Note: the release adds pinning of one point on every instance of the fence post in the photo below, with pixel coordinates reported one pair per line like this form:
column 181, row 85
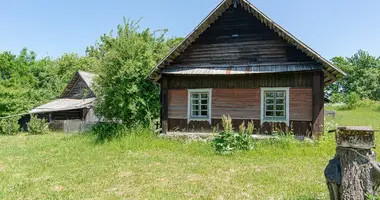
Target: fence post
column 354, row 172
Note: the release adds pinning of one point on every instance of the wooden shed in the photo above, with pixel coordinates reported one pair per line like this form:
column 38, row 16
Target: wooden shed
column 73, row 111
column 239, row 62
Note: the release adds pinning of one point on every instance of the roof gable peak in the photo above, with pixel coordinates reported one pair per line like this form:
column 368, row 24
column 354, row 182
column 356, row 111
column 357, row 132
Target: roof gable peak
column 332, row 73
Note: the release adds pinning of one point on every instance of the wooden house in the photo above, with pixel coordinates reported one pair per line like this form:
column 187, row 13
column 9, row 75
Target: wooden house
column 73, row 111
column 239, row 62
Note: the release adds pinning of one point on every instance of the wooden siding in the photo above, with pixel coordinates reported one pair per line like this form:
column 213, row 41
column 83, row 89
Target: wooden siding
column 80, row 90
column 237, row 103
column 241, row 105
column 177, row 101
column 237, row 37
column 295, row 79
column 66, row 115
column 300, row 105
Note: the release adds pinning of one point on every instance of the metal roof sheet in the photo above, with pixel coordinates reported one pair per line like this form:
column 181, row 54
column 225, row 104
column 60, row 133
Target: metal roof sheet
column 88, row 78
column 237, row 70
column 63, row 104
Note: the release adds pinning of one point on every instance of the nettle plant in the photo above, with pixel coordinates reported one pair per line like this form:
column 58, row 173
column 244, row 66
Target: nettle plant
column 228, row 141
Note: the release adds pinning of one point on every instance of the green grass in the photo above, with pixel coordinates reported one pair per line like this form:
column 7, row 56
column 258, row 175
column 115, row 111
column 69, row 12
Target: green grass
column 59, row 166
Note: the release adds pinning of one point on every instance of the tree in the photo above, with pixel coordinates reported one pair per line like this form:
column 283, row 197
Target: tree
column 363, row 76
column 124, row 93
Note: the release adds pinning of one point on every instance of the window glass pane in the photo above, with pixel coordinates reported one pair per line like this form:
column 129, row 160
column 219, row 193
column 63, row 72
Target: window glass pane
column 195, row 95
column 270, row 101
column 280, row 114
column 269, row 113
column 204, row 113
column 204, row 95
column 270, row 107
column 204, row 101
column 195, row 101
column 280, row 107
column 269, row 94
column 280, row 94
column 204, row 107
column 195, row 107
column 280, row 101
column 195, row 113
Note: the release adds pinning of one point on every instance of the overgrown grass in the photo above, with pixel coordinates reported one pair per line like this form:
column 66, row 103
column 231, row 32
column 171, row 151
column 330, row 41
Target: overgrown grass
column 142, row 166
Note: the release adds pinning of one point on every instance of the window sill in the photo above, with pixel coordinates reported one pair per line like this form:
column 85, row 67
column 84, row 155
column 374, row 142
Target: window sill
column 275, row 120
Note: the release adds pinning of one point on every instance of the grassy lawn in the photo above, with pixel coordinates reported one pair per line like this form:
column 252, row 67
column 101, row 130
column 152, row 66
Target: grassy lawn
column 59, row 166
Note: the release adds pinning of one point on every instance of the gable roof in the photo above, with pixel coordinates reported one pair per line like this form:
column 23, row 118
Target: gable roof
column 331, row 72
column 87, row 77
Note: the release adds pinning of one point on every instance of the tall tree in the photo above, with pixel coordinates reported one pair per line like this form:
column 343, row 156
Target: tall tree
column 123, row 91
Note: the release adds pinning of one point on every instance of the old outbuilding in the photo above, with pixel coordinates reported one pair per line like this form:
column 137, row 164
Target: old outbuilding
column 239, row 62
column 73, row 111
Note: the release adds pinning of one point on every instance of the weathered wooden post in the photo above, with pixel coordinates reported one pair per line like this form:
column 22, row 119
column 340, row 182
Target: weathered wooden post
column 353, row 173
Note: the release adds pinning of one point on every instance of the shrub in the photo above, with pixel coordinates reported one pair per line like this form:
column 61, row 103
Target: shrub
column 352, row 100
column 9, row 126
column 108, row 131
column 37, row 126
column 229, row 141
column 337, row 98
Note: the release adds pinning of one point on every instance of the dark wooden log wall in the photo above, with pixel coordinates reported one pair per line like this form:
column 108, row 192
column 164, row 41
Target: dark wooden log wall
column 295, row 79
column 238, row 37
column 180, row 125
column 66, row 115
column 318, row 103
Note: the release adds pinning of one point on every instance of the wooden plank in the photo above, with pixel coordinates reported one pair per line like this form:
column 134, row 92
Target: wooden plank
column 318, row 103
column 164, row 104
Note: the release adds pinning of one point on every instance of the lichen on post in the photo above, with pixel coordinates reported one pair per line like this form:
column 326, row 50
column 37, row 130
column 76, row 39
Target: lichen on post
column 354, row 172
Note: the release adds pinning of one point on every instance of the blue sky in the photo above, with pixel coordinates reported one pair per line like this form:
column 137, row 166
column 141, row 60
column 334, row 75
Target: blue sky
column 331, row 27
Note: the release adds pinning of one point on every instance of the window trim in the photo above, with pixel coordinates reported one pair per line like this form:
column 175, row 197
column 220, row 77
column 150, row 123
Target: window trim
column 189, row 91
column 262, row 109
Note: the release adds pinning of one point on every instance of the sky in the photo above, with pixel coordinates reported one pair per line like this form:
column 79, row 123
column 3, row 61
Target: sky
column 54, row 27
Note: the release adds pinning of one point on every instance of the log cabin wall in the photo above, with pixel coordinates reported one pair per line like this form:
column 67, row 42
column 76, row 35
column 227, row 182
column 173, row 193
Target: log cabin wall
column 234, row 96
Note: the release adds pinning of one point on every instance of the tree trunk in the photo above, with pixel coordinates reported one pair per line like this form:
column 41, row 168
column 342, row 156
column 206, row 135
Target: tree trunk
column 356, row 180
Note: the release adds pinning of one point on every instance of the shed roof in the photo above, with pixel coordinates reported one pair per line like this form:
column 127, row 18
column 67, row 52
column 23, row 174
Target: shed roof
column 331, row 72
column 63, row 104
column 238, row 69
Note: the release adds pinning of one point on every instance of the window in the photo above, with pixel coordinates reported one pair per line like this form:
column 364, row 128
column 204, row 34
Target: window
column 275, row 105
column 199, row 105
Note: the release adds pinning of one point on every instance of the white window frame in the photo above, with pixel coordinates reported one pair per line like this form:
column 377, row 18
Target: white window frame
column 189, row 118
column 262, row 114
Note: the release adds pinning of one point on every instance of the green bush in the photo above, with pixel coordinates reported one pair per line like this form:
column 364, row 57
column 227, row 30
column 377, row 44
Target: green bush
column 352, row 100
column 108, row 131
column 337, row 98
column 228, row 141
column 37, row 126
column 9, row 126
